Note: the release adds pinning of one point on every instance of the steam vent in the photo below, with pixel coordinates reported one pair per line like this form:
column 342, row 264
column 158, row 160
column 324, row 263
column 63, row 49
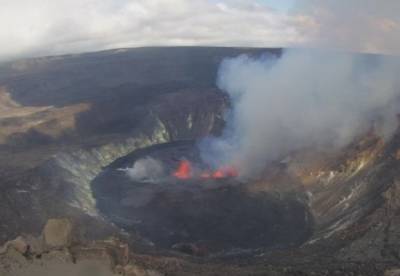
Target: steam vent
column 200, row 161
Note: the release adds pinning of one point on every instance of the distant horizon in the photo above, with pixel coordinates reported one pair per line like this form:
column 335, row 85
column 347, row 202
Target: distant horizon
column 63, row 27
column 189, row 46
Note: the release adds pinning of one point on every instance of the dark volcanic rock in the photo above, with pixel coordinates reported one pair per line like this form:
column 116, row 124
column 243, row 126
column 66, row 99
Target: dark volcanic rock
column 214, row 215
column 77, row 78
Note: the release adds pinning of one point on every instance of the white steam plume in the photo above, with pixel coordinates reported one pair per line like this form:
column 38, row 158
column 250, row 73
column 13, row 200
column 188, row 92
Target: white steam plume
column 302, row 99
column 146, row 170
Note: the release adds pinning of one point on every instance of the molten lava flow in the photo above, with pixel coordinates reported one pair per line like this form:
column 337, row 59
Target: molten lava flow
column 184, row 170
column 224, row 172
column 218, row 174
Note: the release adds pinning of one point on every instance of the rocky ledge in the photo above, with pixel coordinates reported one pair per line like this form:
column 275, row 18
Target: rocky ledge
column 55, row 251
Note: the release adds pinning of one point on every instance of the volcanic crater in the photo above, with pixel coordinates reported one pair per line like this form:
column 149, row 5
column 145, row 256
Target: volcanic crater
column 89, row 119
column 193, row 213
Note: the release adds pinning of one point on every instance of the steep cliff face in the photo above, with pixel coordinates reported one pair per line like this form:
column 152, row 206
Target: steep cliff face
column 375, row 235
column 352, row 196
column 344, row 189
column 190, row 119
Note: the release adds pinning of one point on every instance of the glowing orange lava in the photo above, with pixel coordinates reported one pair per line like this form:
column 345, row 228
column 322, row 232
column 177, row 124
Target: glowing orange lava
column 218, row 174
column 185, row 171
column 224, row 172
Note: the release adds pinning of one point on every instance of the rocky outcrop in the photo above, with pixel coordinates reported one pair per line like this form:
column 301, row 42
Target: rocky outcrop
column 57, row 233
column 19, row 244
column 57, row 255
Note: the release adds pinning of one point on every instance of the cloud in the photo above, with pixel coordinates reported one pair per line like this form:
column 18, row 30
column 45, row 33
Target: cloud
column 357, row 25
column 47, row 27
column 303, row 99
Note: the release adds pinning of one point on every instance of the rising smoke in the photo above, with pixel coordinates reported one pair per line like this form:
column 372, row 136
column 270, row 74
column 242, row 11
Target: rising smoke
column 302, row 99
column 146, row 170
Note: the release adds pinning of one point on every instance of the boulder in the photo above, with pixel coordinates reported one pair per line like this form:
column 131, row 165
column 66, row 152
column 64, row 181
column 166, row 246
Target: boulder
column 19, row 245
column 36, row 246
column 57, row 233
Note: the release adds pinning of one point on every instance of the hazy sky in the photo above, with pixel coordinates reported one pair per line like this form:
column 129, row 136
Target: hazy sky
column 47, row 27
